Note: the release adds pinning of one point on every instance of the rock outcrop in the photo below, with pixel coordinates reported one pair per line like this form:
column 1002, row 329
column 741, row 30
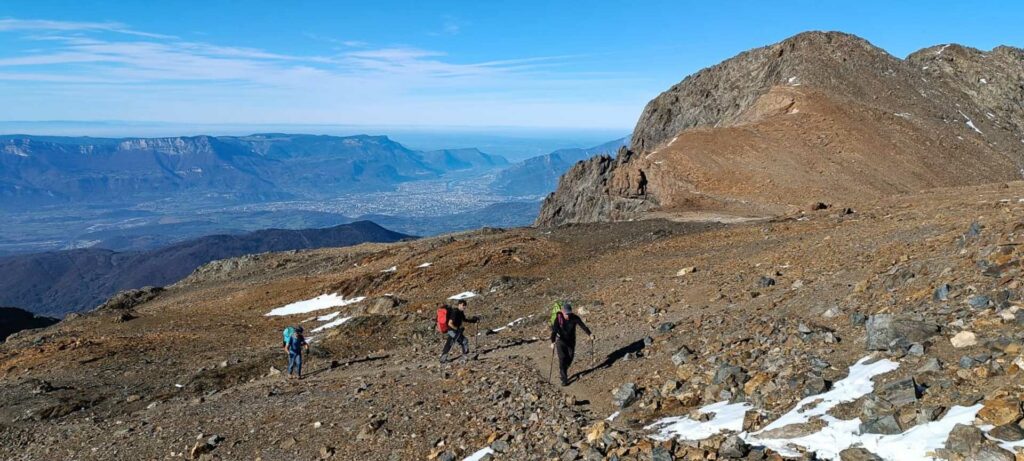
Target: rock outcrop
column 821, row 116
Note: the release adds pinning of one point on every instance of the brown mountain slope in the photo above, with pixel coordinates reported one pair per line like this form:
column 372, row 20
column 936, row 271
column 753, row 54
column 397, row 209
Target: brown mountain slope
column 784, row 301
column 820, row 116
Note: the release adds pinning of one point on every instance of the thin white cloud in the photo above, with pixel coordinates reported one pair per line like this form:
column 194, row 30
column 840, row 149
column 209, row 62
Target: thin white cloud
column 108, row 70
column 11, row 24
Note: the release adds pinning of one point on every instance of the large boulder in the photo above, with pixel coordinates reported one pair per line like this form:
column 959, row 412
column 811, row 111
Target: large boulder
column 891, row 332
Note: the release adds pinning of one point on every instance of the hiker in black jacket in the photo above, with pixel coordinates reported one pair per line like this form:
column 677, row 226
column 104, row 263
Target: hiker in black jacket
column 563, row 338
column 456, row 331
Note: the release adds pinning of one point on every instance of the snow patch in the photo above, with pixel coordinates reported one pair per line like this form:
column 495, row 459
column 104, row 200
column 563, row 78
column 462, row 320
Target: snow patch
column 856, row 385
column 324, row 318
column 421, row 266
column 479, row 454
column 390, row 269
column 512, row 323
column 331, row 324
column 903, row 114
column 325, row 301
column 983, row 81
column 941, row 49
column 969, row 122
column 728, row 417
column 612, row 417
column 915, row 444
column 463, row 295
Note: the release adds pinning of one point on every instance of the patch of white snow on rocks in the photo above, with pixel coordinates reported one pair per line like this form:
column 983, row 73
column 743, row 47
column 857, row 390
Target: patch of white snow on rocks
column 333, row 324
column 464, row 295
column 325, row 301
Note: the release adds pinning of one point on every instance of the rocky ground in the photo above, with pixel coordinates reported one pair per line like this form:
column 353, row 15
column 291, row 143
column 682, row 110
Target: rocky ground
column 685, row 314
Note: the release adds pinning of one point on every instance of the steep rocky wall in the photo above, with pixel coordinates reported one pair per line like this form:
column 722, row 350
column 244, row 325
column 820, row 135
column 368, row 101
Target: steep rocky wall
column 599, row 188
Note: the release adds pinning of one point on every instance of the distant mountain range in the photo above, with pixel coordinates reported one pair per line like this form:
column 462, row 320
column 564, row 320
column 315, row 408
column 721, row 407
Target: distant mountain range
column 58, row 282
column 538, row 176
column 13, row 320
column 48, row 169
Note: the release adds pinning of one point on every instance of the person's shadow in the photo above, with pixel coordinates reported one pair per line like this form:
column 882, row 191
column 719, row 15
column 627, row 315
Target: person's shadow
column 610, row 359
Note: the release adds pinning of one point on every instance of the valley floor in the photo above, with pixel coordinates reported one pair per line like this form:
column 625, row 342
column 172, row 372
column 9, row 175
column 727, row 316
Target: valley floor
column 770, row 312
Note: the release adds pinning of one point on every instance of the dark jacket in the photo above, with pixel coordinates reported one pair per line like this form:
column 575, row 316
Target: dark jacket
column 564, row 328
column 456, row 317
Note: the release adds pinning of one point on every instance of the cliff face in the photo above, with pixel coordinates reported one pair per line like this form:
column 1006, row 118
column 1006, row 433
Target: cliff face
column 819, row 116
column 595, row 189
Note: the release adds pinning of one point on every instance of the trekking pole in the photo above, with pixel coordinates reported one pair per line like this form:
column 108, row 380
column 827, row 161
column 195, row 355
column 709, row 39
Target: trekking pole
column 551, row 365
column 591, row 350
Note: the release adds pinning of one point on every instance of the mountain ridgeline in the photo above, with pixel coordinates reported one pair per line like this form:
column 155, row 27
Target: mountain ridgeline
column 539, row 175
column 821, row 116
column 45, row 169
column 59, row 282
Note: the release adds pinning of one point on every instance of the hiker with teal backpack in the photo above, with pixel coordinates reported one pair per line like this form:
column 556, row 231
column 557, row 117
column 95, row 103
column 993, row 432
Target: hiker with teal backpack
column 563, row 336
column 294, row 343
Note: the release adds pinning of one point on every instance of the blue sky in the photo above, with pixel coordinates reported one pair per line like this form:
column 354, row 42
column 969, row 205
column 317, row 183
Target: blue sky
column 417, row 64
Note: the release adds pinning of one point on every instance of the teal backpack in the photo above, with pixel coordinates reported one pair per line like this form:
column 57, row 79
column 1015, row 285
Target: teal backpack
column 288, row 332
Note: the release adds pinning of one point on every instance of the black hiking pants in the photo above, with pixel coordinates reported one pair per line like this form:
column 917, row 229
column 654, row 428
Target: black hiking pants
column 452, row 337
column 566, row 352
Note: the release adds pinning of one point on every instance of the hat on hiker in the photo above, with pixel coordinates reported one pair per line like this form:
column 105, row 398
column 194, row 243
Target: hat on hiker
column 567, row 306
column 299, row 329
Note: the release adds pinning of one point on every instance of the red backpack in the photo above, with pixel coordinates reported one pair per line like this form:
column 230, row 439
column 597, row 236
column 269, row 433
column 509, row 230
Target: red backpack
column 442, row 319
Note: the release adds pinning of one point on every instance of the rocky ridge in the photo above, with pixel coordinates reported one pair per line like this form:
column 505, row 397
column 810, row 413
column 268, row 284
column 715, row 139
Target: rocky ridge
column 819, row 116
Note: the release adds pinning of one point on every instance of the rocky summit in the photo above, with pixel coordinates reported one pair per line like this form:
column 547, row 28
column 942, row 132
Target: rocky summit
column 811, row 263
column 819, row 117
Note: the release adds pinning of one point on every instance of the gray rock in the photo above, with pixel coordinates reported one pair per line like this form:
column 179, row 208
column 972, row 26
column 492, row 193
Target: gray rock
column 857, row 319
column 1007, row 432
column 499, row 446
column 929, row 413
column 885, row 424
column 889, row 332
column 729, row 375
column 964, row 439
column 989, row 451
column 666, row 327
column 733, row 447
column 930, row 364
column 900, row 393
column 624, row 395
column 979, row 302
column 661, row 454
column 683, row 355
column 814, row 385
column 446, row 456
column 941, row 292
column 973, row 231
column 765, row 282
column 858, row 454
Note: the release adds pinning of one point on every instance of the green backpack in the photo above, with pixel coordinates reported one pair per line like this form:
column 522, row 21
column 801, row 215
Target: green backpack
column 555, row 309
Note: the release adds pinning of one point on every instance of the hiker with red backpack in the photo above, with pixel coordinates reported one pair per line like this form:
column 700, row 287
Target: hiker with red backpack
column 450, row 323
column 563, row 337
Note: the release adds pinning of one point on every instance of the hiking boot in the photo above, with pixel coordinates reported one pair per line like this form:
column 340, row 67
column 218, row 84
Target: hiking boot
column 565, row 383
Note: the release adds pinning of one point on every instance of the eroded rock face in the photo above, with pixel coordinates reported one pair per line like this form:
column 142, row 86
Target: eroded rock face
column 757, row 134
column 597, row 189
